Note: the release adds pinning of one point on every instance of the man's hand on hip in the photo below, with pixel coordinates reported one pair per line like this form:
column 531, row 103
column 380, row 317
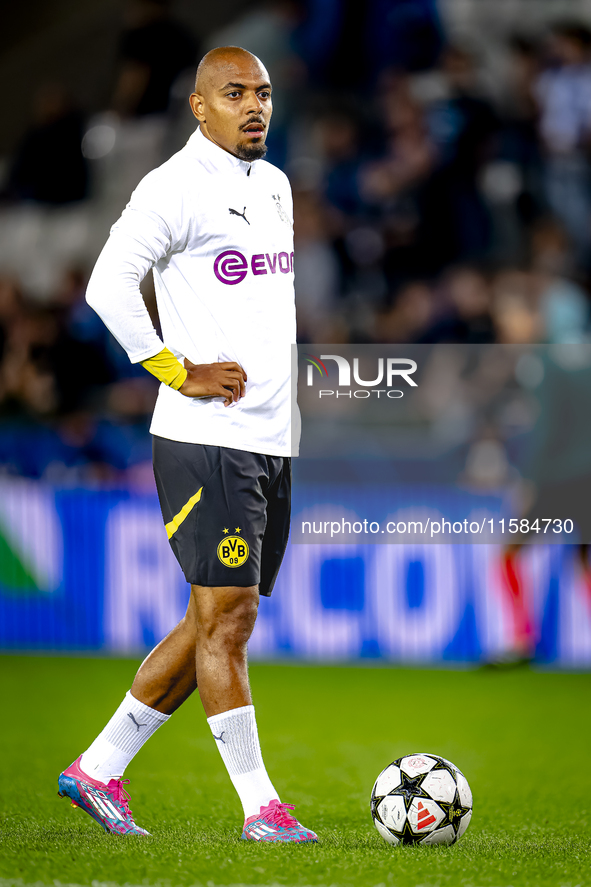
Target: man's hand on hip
column 225, row 380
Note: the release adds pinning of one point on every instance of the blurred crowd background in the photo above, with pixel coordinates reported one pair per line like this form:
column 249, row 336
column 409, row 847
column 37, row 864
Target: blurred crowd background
column 439, row 153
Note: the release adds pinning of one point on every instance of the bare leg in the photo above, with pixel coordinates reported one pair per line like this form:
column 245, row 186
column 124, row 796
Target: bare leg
column 166, row 677
column 209, row 642
column 225, row 620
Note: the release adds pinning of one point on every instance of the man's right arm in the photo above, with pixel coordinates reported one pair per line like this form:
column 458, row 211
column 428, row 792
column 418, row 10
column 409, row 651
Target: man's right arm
column 140, row 238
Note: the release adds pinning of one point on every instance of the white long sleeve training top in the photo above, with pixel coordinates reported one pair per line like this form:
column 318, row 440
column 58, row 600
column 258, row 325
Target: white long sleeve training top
column 218, row 233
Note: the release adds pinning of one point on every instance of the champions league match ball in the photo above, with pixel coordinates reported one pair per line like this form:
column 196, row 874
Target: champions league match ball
column 421, row 799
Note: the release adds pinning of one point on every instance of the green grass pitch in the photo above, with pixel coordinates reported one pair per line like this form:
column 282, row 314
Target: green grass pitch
column 521, row 737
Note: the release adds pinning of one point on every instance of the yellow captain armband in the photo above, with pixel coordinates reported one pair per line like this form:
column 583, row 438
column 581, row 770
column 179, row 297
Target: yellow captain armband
column 166, row 368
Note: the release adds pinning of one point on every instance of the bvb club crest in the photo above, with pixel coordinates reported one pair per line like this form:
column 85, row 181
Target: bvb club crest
column 233, row 551
column 281, row 212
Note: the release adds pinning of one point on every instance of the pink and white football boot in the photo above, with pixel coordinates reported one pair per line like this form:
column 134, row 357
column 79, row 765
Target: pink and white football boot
column 275, row 823
column 107, row 803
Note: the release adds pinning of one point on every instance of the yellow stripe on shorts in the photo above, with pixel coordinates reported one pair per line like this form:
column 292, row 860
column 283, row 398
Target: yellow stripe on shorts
column 172, row 526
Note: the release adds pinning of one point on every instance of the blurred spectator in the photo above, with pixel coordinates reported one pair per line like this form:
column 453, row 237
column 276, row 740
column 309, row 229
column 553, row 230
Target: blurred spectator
column 409, row 317
column 317, row 272
column 409, row 151
column 65, row 416
column 341, row 152
column 564, row 95
column 154, row 50
column 564, row 304
column 564, row 307
column 10, row 307
column 461, row 124
column 550, row 248
column 465, row 306
column 407, row 35
column 48, row 166
column 392, row 186
column 520, row 144
column 515, row 312
column 377, row 34
column 39, row 351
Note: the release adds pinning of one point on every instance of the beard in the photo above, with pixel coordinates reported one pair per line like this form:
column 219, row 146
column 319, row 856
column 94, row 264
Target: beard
column 250, row 152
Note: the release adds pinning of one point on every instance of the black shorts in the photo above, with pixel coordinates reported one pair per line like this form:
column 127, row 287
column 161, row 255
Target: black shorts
column 226, row 512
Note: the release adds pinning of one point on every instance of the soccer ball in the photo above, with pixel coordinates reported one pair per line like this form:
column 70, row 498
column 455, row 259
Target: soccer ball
column 421, row 799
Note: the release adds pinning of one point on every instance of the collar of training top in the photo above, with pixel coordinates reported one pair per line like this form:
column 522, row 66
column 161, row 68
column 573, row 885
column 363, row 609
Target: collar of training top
column 207, row 151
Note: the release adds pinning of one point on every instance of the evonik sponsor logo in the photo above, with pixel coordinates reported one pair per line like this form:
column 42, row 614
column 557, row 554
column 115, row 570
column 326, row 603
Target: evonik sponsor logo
column 389, row 370
column 231, row 266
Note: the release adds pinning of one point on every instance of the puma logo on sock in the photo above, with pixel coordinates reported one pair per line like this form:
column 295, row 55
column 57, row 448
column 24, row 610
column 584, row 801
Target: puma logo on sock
column 129, row 715
column 219, row 738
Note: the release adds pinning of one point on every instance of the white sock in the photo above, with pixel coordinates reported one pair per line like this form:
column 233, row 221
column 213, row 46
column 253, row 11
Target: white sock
column 132, row 724
column 238, row 741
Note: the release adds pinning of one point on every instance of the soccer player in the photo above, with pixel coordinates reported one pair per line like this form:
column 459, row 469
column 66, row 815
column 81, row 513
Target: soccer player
column 214, row 223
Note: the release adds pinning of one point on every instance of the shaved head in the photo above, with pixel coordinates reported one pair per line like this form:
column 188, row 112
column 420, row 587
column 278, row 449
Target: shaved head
column 222, row 60
column 232, row 101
